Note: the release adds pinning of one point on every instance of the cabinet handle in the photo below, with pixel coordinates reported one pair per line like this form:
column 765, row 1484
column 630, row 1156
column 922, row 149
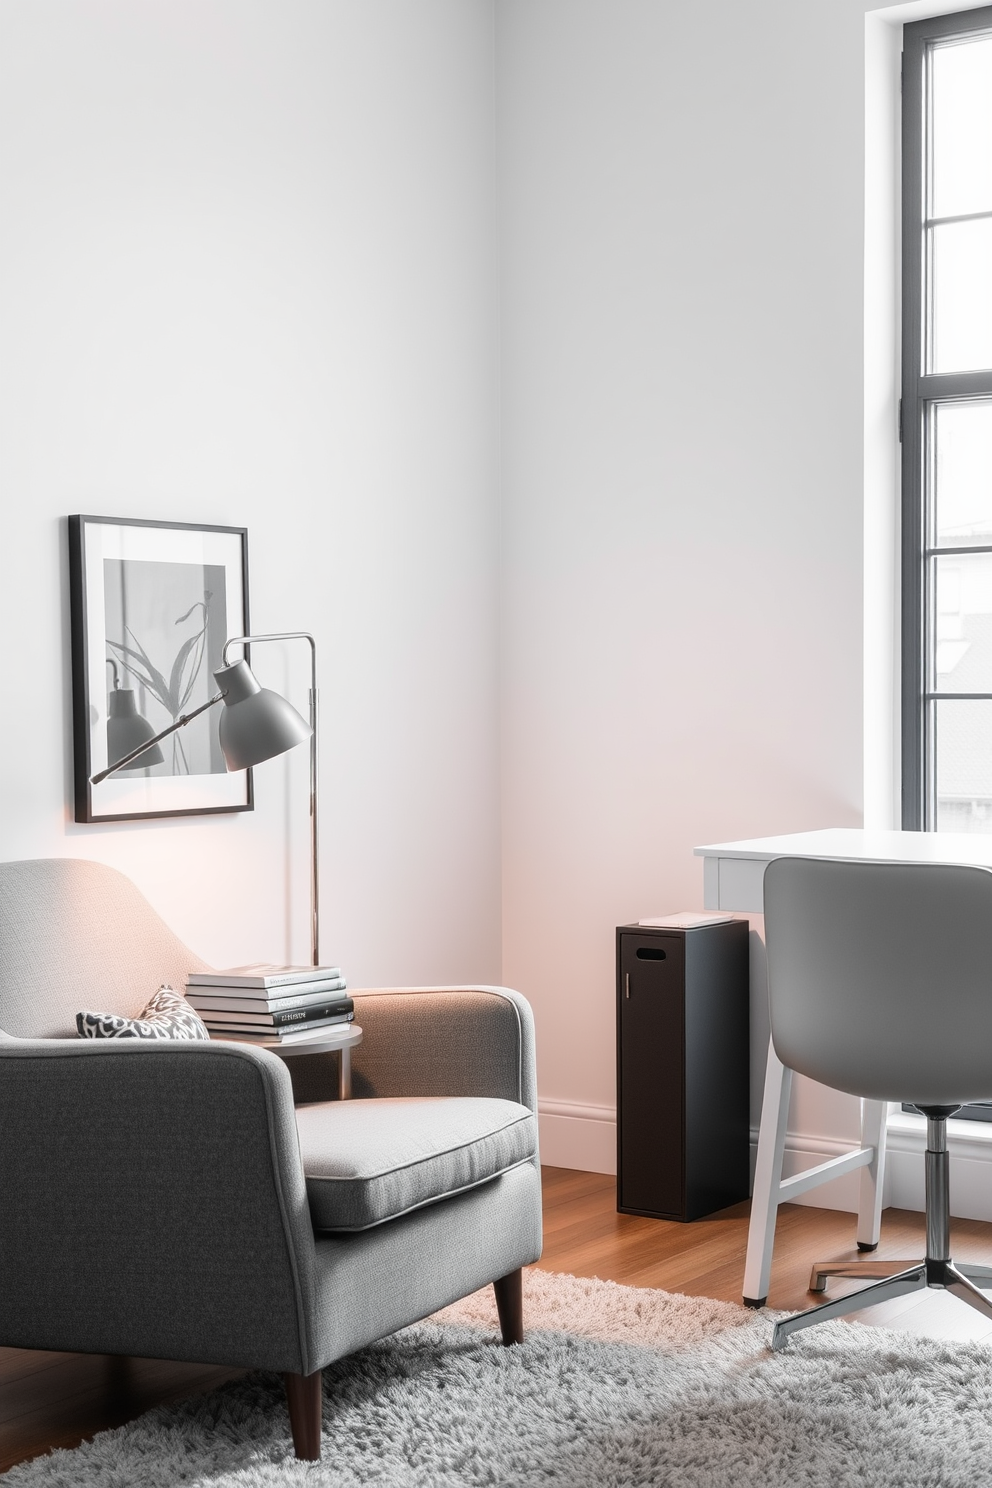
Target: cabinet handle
column 628, row 984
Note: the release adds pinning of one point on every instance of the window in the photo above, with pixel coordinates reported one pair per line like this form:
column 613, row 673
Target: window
column 946, row 418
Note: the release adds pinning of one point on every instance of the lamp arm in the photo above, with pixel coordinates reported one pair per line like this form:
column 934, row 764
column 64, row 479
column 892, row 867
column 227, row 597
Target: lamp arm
column 132, row 754
column 300, row 635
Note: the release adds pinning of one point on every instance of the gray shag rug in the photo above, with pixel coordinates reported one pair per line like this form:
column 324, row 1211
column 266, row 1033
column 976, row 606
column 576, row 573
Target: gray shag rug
column 613, row 1388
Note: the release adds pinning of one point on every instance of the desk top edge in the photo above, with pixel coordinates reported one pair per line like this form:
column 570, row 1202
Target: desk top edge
column 861, row 844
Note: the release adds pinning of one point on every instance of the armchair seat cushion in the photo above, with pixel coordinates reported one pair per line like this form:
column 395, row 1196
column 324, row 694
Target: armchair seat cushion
column 368, row 1161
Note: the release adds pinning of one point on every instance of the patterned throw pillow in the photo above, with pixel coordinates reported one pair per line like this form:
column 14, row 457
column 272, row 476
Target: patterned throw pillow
column 167, row 1016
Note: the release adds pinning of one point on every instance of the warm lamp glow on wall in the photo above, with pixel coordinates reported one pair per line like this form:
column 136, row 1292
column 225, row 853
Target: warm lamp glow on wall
column 256, row 724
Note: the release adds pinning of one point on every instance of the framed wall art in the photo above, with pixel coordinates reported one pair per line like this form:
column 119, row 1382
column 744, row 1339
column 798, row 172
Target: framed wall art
column 152, row 604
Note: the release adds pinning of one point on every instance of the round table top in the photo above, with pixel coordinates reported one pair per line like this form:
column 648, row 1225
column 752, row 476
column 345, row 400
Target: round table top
column 321, row 1041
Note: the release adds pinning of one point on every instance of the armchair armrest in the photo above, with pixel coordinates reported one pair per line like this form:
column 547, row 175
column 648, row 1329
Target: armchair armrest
column 154, row 1202
column 445, row 1041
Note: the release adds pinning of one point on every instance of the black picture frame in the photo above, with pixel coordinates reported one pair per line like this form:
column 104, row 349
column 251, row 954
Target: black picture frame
column 151, row 605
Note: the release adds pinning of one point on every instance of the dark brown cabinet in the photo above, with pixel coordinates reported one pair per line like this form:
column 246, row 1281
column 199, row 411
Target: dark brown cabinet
column 682, row 1069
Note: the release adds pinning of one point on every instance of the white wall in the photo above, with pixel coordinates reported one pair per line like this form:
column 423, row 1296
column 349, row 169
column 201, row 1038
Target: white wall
column 247, row 277
column 700, row 494
column 682, row 416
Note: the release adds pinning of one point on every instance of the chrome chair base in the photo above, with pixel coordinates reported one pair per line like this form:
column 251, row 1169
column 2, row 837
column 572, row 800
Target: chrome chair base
column 896, row 1278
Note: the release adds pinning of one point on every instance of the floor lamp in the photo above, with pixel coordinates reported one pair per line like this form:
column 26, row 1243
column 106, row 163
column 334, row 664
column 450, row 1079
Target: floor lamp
column 256, row 724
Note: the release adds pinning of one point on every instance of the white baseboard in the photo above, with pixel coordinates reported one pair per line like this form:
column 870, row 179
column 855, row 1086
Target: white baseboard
column 585, row 1137
column 578, row 1136
column 970, row 1146
column 807, row 1152
column 968, row 1142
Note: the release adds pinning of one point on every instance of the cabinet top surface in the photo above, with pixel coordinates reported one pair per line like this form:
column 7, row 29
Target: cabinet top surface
column 724, row 923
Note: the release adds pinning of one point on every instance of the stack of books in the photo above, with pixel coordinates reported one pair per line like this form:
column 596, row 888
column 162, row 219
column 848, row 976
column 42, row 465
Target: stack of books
column 271, row 1003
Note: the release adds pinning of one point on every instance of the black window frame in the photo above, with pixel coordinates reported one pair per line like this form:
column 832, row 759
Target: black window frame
column 921, row 390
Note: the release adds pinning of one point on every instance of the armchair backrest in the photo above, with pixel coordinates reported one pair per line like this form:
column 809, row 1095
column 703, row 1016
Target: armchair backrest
column 76, row 934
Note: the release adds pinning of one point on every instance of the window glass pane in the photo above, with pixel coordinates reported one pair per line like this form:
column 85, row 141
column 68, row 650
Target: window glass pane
column 962, row 613
column 961, row 81
column 963, row 743
column 962, row 296
column 963, row 466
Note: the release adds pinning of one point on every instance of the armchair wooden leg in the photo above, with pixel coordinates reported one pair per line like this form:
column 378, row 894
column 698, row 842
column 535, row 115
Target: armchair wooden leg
column 304, row 1399
column 510, row 1306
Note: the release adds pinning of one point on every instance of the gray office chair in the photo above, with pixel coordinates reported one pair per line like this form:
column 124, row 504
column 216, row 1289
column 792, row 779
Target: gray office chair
column 880, row 984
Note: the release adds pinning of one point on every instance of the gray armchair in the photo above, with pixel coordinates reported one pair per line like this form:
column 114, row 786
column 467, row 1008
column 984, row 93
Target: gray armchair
column 169, row 1200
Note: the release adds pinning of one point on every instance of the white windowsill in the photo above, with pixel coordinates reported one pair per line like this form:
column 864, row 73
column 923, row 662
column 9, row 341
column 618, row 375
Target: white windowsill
column 908, row 1133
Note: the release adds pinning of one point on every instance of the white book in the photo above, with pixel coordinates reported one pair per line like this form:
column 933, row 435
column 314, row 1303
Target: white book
column 253, row 1030
column 686, row 920
column 262, row 974
column 295, row 1018
column 298, row 1036
column 241, row 999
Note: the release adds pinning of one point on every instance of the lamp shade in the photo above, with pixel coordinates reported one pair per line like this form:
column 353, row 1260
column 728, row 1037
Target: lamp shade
column 126, row 729
column 255, row 723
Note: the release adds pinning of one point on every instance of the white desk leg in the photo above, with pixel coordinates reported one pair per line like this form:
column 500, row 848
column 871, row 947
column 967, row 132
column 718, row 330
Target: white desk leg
column 873, row 1118
column 767, row 1177
column 344, row 1075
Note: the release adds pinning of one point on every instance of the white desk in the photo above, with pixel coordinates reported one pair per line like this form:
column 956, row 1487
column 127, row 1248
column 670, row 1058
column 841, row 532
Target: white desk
column 733, row 871
column 733, row 880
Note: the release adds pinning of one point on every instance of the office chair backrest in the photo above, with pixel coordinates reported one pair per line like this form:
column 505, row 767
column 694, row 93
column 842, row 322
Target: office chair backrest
column 880, row 977
column 76, row 934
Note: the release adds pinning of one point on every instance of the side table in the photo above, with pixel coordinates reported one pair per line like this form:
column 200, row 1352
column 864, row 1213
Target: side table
column 338, row 1040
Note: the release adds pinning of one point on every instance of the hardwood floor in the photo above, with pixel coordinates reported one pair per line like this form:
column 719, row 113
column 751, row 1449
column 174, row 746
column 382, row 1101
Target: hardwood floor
column 584, row 1234
column 56, row 1400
